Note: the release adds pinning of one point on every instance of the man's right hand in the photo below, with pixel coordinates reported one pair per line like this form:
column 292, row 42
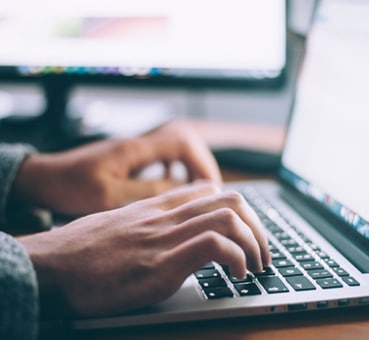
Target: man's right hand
column 118, row 260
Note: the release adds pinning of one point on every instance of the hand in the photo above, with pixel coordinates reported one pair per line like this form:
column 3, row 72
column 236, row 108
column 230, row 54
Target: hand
column 103, row 175
column 123, row 259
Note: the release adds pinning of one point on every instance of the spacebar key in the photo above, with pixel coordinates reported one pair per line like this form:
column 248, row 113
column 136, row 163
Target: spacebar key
column 273, row 284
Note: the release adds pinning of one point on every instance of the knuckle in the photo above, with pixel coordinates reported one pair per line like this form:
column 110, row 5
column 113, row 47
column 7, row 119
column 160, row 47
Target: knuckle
column 227, row 216
column 212, row 240
column 185, row 143
column 178, row 126
column 122, row 146
column 234, row 199
column 185, row 138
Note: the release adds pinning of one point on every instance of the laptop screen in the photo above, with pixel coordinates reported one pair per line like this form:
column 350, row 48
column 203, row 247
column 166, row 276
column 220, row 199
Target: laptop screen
column 326, row 151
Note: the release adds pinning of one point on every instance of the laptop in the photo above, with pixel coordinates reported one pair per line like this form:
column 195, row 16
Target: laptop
column 317, row 214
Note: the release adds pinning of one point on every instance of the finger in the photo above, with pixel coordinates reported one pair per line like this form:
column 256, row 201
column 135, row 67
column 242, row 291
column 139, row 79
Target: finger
column 193, row 254
column 184, row 146
column 236, row 202
column 200, row 163
column 198, row 159
column 224, row 222
column 247, row 213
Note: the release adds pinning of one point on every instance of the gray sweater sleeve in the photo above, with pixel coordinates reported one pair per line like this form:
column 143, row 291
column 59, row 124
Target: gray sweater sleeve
column 11, row 157
column 18, row 285
column 18, row 292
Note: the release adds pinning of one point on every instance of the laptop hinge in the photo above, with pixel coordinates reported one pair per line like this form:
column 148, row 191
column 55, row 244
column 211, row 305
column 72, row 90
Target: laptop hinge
column 323, row 224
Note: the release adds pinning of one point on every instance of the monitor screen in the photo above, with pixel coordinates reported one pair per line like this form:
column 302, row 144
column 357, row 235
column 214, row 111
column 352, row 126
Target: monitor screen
column 181, row 39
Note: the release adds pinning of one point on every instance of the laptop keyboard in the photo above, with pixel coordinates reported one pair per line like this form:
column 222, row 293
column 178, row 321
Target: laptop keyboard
column 298, row 264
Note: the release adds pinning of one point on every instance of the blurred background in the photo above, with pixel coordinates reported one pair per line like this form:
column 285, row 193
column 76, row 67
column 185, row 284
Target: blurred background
column 83, row 70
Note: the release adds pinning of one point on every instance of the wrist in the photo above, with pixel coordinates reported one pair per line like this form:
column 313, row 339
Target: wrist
column 32, row 180
column 27, row 206
column 40, row 251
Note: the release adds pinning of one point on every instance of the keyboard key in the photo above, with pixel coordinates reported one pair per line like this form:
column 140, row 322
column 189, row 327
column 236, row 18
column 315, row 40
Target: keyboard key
column 331, row 263
column 267, row 271
column 329, row 283
column 314, row 247
column 212, row 282
column 304, row 237
column 282, row 236
column 340, row 271
column 206, row 273
column 272, row 247
column 300, row 283
column 290, row 271
column 282, row 263
column 233, row 279
column 303, row 257
column 296, row 250
column 272, row 227
column 350, row 281
column 218, row 292
column 289, row 243
column 322, row 254
column 311, row 265
column 208, row 265
column 319, row 274
column 277, row 255
column 248, row 278
column 247, row 289
column 273, row 284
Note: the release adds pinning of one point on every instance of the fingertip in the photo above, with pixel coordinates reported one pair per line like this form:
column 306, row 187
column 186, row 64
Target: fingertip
column 268, row 260
column 239, row 274
column 256, row 269
column 266, row 257
column 239, row 269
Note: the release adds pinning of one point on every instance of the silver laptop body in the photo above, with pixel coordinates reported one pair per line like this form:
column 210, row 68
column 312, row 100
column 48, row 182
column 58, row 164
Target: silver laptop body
column 317, row 214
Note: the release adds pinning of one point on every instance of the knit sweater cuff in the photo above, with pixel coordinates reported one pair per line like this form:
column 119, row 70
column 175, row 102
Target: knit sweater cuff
column 18, row 292
column 11, row 158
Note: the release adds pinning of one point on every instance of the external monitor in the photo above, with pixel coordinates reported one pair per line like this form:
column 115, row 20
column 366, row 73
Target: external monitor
column 145, row 42
column 166, row 40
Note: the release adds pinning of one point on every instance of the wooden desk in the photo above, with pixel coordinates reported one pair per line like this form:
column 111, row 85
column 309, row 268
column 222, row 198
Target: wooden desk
column 338, row 325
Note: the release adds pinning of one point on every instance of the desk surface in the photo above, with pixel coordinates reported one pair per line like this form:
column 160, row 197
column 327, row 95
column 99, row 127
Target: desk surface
column 336, row 325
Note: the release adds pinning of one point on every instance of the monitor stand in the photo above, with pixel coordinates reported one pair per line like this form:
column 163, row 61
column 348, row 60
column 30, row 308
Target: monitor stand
column 55, row 118
column 52, row 129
